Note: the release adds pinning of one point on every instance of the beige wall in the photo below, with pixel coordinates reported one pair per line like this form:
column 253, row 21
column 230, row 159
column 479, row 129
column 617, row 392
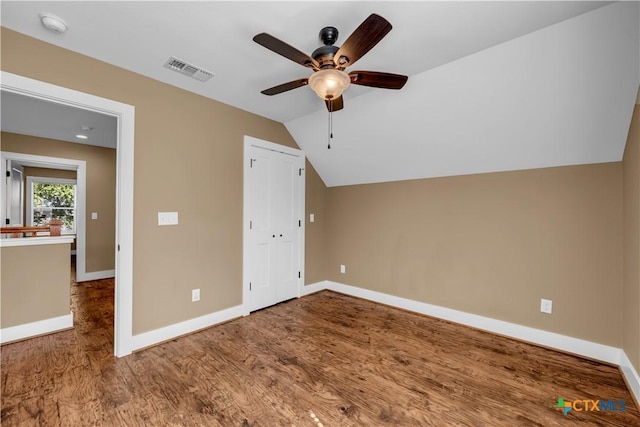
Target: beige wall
column 188, row 158
column 316, row 232
column 631, row 215
column 33, row 291
column 491, row 244
column 46, row 172
column 101, row 190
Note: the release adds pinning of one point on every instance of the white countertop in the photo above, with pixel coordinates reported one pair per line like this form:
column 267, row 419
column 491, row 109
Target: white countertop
column 31, row 241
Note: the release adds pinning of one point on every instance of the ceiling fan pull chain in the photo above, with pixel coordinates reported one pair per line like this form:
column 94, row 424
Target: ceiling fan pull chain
column 330, row 126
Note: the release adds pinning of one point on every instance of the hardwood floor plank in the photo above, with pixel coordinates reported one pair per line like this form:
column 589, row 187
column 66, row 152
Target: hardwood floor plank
column 325, row 359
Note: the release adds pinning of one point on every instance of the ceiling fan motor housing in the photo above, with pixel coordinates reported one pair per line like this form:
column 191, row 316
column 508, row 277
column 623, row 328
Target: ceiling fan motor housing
column 324, row 56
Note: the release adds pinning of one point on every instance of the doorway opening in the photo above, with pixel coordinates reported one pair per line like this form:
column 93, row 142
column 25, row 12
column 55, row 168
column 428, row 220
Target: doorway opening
column 125, row 116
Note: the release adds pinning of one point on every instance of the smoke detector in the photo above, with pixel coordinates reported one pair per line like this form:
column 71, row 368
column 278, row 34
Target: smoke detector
column 53, row 23
column 187, row 69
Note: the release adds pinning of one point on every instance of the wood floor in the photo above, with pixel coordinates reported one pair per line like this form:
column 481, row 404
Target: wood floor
column 322, row 360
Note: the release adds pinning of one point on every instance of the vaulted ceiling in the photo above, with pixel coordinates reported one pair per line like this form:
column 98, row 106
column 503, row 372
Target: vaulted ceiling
column 493, row 86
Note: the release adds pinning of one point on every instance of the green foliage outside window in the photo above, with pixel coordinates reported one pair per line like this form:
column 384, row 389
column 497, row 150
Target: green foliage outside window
column 54, row 201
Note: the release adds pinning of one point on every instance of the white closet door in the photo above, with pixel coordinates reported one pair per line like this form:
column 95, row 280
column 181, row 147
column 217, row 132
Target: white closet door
column 286, row 226
column 274, row 235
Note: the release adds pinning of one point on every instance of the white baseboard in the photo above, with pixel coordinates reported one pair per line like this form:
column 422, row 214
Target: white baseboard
column 95, row 275
column 630, row 375
column 589, row 349
column 41, row 327
column 581, row 347
column 314, row 287
column 157, row 336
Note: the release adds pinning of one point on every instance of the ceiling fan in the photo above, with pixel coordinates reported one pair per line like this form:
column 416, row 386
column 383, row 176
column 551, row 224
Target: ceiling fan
column 329, row 80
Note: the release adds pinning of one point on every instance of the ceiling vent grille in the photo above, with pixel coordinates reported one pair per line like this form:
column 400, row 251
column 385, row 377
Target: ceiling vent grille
column 187, row 69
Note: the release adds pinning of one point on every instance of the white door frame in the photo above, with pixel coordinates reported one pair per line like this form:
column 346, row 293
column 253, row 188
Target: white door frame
column 125, row 115
column 255, row 142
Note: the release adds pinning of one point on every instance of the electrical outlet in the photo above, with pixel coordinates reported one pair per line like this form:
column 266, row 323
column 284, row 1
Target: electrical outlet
column 312, row 217
column 546, row 306
column 195, row 295
column 343, row 269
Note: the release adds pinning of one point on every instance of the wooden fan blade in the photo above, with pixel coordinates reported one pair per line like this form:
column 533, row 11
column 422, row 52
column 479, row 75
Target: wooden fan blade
column 365, row 37
column 378, row 79
column 334, row 104
column 285, row 87
column 282, row 48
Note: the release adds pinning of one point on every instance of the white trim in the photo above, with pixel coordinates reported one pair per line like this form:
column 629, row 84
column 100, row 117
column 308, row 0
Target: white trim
column 630, row 375
column 267, row 145
column 314, row 287
column 245, row 232
column 35, row 241
column 41, row 327
column 592, row 350
column 125, row 115
column 577, row 346
column 303, row 221
column 157, row 336
column 249, row 142
column 98, row 275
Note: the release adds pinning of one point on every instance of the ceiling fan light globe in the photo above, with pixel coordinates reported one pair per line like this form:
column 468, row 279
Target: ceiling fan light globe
column 329, row 84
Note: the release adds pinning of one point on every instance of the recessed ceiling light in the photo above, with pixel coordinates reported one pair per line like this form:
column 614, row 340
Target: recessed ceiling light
column 79, row 136
column 86, row 128
column 53, row 23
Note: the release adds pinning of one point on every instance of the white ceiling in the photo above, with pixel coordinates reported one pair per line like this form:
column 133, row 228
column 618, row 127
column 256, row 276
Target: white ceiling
column 27, row 115
column 493, row 85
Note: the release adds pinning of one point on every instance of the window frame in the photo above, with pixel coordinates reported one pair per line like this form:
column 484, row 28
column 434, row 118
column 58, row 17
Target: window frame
column 47, row 180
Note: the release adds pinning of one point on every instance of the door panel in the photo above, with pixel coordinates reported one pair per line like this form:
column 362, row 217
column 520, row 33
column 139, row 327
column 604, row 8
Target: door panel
column 287, row 269
column 274, row 234
column 262, row 277
column 288, row 226
column 284, row 200
column 260, row 190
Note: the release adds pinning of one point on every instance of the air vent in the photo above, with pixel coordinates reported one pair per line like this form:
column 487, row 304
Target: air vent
column 187, row 69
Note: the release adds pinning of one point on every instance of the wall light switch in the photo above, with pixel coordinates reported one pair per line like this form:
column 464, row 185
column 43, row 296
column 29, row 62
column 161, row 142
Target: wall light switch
column 312, row 217
column 94, row 215
column 167, row 218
